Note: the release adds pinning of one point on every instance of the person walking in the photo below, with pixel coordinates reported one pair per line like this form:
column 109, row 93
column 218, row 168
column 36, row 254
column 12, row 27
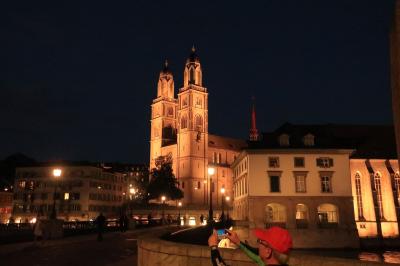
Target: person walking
column 38, row 231
column 201, row 219
column 100, row 222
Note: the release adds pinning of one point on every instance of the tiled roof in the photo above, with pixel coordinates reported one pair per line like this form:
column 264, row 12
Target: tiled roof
column 369, row 141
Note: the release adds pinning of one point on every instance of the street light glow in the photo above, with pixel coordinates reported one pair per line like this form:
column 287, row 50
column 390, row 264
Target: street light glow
column 223, row 190
column 180, row 204
column 227, row 198
column 163, row 198
column 57, row 172
column 211, row 170
column 132, row 191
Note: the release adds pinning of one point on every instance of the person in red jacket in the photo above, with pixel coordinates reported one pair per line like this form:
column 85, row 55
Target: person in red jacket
column 274, row 245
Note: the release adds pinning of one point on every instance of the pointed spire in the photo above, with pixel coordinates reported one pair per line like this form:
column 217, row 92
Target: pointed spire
column 193, row 57
column 253, row 129
column 166, row 69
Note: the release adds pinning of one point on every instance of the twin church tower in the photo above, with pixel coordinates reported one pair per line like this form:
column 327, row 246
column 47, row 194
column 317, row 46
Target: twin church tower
column 179, row 131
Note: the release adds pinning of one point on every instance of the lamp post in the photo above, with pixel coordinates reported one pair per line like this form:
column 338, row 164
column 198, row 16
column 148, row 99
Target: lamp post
column 227, row 199
column 222, row 203
column 132, row 191
column 56, row 174
column 179, row 213
column 163, row 206
column 211, row 171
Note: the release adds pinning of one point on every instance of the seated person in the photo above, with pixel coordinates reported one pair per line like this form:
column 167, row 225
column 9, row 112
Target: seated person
column 274, row 245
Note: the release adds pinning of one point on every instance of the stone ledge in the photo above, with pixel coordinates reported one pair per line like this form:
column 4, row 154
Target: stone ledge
column 154, row 251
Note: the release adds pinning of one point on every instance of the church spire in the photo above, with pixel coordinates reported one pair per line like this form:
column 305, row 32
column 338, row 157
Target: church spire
column 193, row 73
column 165, row 86
column 253, row 129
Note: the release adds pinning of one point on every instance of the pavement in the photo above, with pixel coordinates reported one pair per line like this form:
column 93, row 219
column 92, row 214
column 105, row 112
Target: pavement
column 117, row 248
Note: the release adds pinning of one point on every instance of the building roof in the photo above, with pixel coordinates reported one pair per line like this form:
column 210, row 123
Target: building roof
column 220, row 142
column 369, row 141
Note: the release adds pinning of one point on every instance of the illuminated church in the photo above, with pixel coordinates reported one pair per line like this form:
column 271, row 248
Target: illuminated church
column 179, row 131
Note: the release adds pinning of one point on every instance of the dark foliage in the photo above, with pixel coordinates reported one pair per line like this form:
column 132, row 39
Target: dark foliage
column 163, row 182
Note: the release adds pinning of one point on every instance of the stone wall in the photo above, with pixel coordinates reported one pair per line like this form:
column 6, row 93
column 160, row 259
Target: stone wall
column 155, row 252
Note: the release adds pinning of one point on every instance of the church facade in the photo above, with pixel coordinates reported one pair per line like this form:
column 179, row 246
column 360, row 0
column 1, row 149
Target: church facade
column 179, row 132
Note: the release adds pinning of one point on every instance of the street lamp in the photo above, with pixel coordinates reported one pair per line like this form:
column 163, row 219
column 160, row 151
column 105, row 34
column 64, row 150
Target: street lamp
column 56, row 173
column 179, row 213
column 211, row 171
column 163, row 198
column 222, row 203
column 131, row 192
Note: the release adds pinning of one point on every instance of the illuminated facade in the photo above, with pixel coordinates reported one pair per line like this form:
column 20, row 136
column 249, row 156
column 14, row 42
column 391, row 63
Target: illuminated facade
column 319, row 178
column 179, row 130
column 376, row 192
column 6, row 200
column 80, row 193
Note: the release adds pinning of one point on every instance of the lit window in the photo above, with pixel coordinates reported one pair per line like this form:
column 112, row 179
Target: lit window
column 324, row 162
column 326, row 184
column 378, row 189
column 359, row 197
column 300, row 179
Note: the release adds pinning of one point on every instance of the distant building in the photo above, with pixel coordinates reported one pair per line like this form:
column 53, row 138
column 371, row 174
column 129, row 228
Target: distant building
column 80, row 193
column 313, row 179
column 6, row 200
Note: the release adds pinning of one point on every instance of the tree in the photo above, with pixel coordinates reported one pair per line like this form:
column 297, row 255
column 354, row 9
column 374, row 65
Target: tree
column 163, row 181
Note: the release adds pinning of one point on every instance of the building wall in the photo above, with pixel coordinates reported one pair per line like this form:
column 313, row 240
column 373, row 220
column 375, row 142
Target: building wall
column 6, row 200
column 259, row 167
column 96, row 191
column 311, row 214
column 365, row 209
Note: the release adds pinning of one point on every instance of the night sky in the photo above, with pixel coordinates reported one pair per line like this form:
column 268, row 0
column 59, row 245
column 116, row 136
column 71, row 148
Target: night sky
column 77, row 79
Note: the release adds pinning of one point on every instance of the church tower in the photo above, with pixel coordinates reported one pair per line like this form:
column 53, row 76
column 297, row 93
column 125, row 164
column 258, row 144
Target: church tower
column 192, row 137
column 163, row 115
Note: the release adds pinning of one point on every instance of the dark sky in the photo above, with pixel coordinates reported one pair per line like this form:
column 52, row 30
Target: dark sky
column 77, row 79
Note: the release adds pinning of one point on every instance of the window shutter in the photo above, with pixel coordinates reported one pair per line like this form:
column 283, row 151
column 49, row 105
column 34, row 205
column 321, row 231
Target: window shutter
column 319, row 162
column 330, row 162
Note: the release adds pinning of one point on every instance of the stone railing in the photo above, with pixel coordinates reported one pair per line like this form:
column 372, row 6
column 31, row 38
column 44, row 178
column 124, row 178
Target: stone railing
column 153, row 251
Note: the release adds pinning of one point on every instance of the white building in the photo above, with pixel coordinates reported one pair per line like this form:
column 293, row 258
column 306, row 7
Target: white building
column 320, row 182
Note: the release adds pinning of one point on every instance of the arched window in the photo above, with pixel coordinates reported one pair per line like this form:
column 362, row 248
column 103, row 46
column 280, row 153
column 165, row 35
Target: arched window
column 397, row 186
column 359, row 197
column 328, row 215
column 191, row 75
column 183, row 122
column 378, row 189
column 170, row 111
column 199, row 123
column 276, row 215
column 301, row 216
